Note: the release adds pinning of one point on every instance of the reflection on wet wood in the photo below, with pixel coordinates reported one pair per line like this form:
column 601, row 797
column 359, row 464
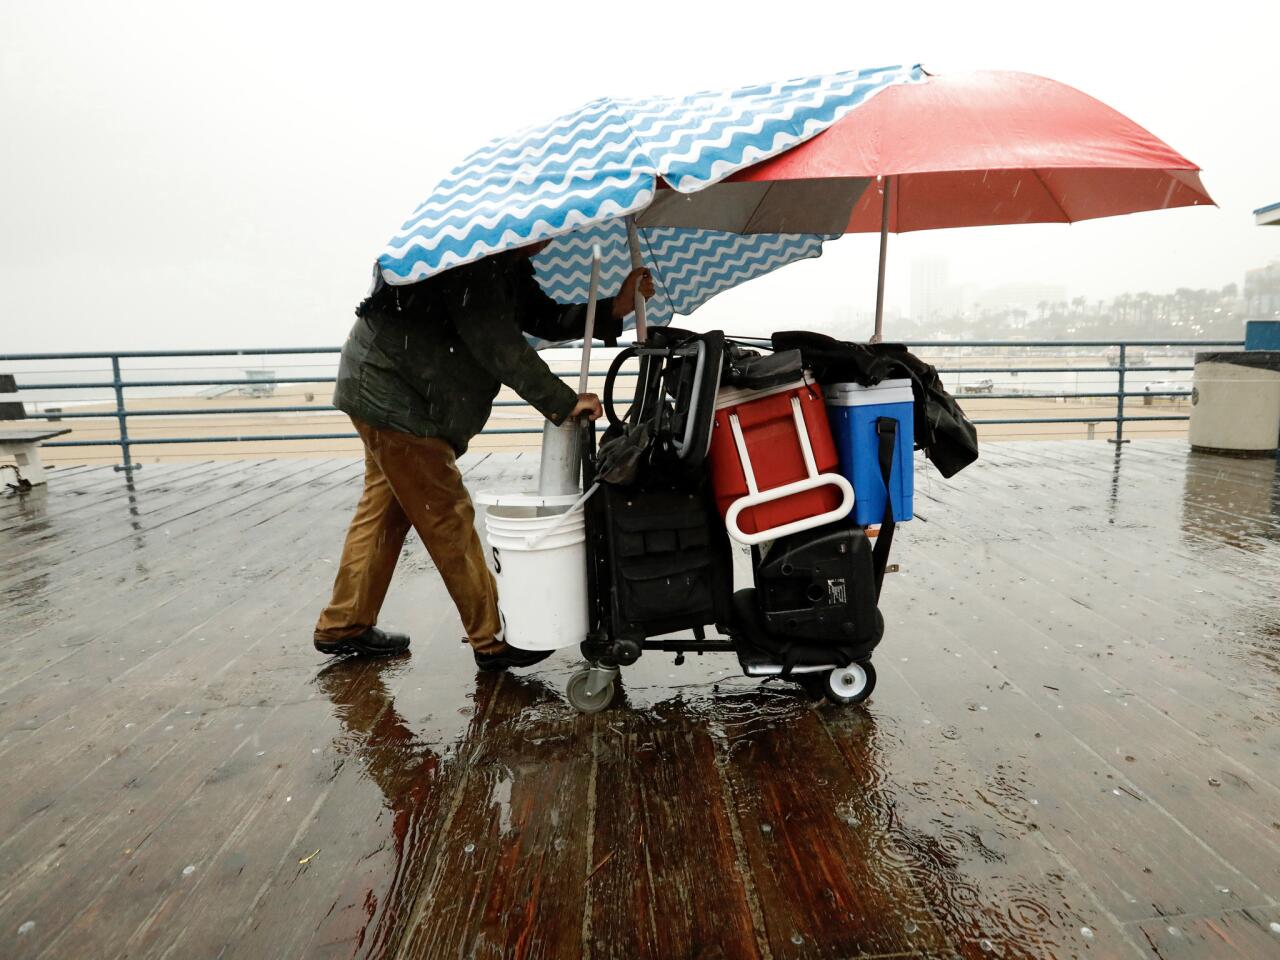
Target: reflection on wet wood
column 509, row 877
column 663, row 848
column 830, row 884
column 1073, row 749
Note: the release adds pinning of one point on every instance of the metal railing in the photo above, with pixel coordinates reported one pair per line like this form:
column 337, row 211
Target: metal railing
column 1120, row 366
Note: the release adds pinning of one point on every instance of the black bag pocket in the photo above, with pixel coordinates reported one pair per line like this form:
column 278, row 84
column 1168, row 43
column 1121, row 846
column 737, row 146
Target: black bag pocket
column 673, row 585
column 666, row 561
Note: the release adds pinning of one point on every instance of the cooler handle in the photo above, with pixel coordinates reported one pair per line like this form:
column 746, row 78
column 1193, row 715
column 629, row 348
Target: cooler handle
column 787, row 490
column 814, row 480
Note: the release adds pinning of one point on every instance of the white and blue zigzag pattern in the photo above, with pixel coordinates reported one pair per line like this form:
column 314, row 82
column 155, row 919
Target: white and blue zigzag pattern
column 575, row 177
column 689, row 266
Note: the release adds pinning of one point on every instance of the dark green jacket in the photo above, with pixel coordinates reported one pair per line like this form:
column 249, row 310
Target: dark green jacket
column 429, row 358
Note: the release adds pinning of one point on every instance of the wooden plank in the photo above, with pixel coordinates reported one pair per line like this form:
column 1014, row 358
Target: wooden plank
column 100, row 549
column 152, row 508
column 363, row 888
column 60, row 591
column 826, row 887
column 63, row 723
column 99, row 491
column 1133, row 598
column 960, row 821
column 919, row 819
column 357, row 893
column 1170, row 759
column 62, row 487
column 159, row 613
column 989, row 881
column 379, row 796
column 1234, row 935
column 143, row 496
column 146, row 930
column 510, row 876
column 666, row 880
column 163, row 791
column 1137, row 858
column 166, row 747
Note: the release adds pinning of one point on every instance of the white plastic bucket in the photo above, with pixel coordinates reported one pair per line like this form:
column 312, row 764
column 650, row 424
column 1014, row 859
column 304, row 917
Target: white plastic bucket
column 542, row 585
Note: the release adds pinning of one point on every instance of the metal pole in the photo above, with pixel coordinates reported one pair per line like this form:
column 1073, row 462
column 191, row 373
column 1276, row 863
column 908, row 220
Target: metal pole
column 633, row 241
column 884, row 252
column 1119, row 437
column 589, row 329
column 118, row 386
column 561, row 461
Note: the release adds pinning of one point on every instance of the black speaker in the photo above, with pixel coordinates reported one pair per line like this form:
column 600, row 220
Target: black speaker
column 819, row 586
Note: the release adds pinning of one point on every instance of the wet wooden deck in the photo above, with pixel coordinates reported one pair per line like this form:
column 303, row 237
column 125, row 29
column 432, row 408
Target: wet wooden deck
column 1074, row 748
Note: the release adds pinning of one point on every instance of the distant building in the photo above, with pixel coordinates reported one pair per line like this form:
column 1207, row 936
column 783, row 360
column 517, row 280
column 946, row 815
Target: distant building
column 932, row 294
column 1267, row 216
column 1262, row 291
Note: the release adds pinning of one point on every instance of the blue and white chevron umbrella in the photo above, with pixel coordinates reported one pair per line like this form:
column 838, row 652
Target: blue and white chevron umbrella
column 664, row 160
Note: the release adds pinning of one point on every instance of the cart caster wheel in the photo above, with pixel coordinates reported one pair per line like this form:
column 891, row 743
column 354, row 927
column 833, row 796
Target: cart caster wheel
column 851, row 684
column 577, row 692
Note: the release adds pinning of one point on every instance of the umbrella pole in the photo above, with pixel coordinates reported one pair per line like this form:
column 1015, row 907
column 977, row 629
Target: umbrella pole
column 884, row 252
column 633, row 241
column 589, row 329
column 561, row 459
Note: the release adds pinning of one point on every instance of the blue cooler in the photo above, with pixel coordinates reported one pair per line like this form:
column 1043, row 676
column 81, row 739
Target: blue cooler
column 853, row 411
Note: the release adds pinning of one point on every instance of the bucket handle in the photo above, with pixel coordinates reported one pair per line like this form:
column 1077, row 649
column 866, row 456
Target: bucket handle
column 537, row 538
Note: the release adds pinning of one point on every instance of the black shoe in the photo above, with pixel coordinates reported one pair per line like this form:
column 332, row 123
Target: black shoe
column 373, row 642
column 510, row 657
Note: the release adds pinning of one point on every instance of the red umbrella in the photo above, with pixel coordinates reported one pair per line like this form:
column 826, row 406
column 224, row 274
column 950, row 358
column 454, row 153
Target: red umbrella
column 988, row 148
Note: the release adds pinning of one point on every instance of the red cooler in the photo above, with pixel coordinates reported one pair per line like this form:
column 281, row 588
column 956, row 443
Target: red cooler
column 774, row 464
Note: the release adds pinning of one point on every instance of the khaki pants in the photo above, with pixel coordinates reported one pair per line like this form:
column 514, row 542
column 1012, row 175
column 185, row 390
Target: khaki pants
column 411, row 480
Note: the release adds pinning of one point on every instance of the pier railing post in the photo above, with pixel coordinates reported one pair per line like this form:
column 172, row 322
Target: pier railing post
column 1119, row 437
column 121, row 417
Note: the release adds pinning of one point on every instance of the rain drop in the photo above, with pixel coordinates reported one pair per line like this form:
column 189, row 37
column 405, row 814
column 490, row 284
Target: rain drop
column 986, row 945
column 469, row 848
column 1275, row 928
column 1086, row 933
column 797, row 939
column 188, row 870
column 31, row 925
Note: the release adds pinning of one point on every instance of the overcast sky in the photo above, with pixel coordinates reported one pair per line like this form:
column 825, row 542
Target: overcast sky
column 223, row 174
